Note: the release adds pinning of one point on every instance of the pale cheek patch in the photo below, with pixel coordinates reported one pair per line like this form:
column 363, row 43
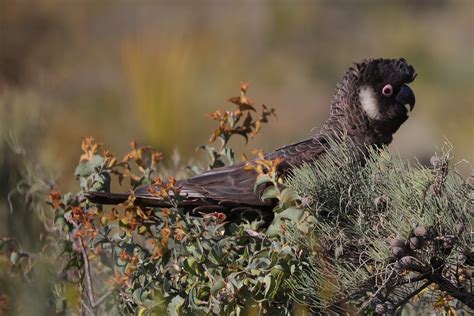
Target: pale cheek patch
column 408, row 107
column 369, row 102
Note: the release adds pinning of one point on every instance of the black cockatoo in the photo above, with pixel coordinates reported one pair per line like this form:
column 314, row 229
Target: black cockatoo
column 369, row 105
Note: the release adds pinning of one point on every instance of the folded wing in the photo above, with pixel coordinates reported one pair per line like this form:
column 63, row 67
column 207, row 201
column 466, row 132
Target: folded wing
column 226, row 188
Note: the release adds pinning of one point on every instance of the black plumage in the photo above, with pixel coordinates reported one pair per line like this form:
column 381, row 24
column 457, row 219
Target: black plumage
column 370, row 103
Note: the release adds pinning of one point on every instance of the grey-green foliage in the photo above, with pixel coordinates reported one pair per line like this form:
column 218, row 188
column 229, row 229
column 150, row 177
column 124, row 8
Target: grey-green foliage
column 213, row 270
column 363, row 208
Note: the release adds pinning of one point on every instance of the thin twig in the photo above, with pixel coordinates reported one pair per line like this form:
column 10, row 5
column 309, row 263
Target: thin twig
column 416, row 292
column 86, row 310
column 413, row 280
column 102, row 299
column 382, row 286
column 87, row 272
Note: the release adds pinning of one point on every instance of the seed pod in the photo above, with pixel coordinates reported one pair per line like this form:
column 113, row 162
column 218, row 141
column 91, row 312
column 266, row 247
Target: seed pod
column 397, row 242
column 415, row 243
column 398, row 252
column 398, row 267
column 407, row 261
column 421, row 231
column 397, row 246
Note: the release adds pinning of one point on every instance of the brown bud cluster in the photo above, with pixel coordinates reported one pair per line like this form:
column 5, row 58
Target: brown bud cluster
column 421, row 231
column 398, row 247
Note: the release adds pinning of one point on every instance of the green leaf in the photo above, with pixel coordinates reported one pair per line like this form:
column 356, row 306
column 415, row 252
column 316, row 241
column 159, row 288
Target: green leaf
column 175, row 306
column 215, row 255
column 288, row 195
column 228, row 153
column 190, row 248
column 85, row 169
column 269, row 193
column 96, row 161
column 189, row 265
column 199, row 253
column 218, row 284
column 270, row 285
column 67, row 198
column 233, row 280
column 194, row 302
column 120, row 262
column 291, row 214
column 136, row 295
column 264, row 178
column 99, row 239
column 14, row 257
column 82, row 170
column 257, row 287
column 195, row 169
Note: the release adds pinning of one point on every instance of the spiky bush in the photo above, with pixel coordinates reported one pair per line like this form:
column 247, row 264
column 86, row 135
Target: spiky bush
column 387, row 232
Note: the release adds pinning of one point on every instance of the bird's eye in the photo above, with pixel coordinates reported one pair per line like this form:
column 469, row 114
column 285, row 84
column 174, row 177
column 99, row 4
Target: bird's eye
column 387, row 90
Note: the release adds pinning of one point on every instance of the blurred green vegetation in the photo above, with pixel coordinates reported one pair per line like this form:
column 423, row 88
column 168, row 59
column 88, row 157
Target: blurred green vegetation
column 123, row 70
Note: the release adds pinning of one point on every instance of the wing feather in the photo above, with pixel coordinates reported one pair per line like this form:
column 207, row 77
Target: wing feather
column 233, row 185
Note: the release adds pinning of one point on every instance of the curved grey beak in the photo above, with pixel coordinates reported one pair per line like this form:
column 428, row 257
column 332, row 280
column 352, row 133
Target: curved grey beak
column 406, row 96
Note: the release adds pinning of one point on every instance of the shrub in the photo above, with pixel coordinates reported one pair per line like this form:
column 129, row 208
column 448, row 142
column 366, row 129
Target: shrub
column 372, row 236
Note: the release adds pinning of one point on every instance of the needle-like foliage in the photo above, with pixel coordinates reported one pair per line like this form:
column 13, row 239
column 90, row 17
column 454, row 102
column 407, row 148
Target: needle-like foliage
column 387, row 232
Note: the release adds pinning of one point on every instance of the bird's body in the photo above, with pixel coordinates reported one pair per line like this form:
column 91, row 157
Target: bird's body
column 369, row 105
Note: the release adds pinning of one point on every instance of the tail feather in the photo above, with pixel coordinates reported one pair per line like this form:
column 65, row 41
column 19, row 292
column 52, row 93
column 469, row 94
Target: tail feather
column 118, row 198
column 106, row 198
column 195, row 207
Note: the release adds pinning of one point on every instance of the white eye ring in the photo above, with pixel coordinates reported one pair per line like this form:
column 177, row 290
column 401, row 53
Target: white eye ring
column 387, row 90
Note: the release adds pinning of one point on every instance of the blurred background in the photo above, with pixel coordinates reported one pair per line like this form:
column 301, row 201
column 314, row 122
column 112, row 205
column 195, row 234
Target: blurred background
column 152, row 71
